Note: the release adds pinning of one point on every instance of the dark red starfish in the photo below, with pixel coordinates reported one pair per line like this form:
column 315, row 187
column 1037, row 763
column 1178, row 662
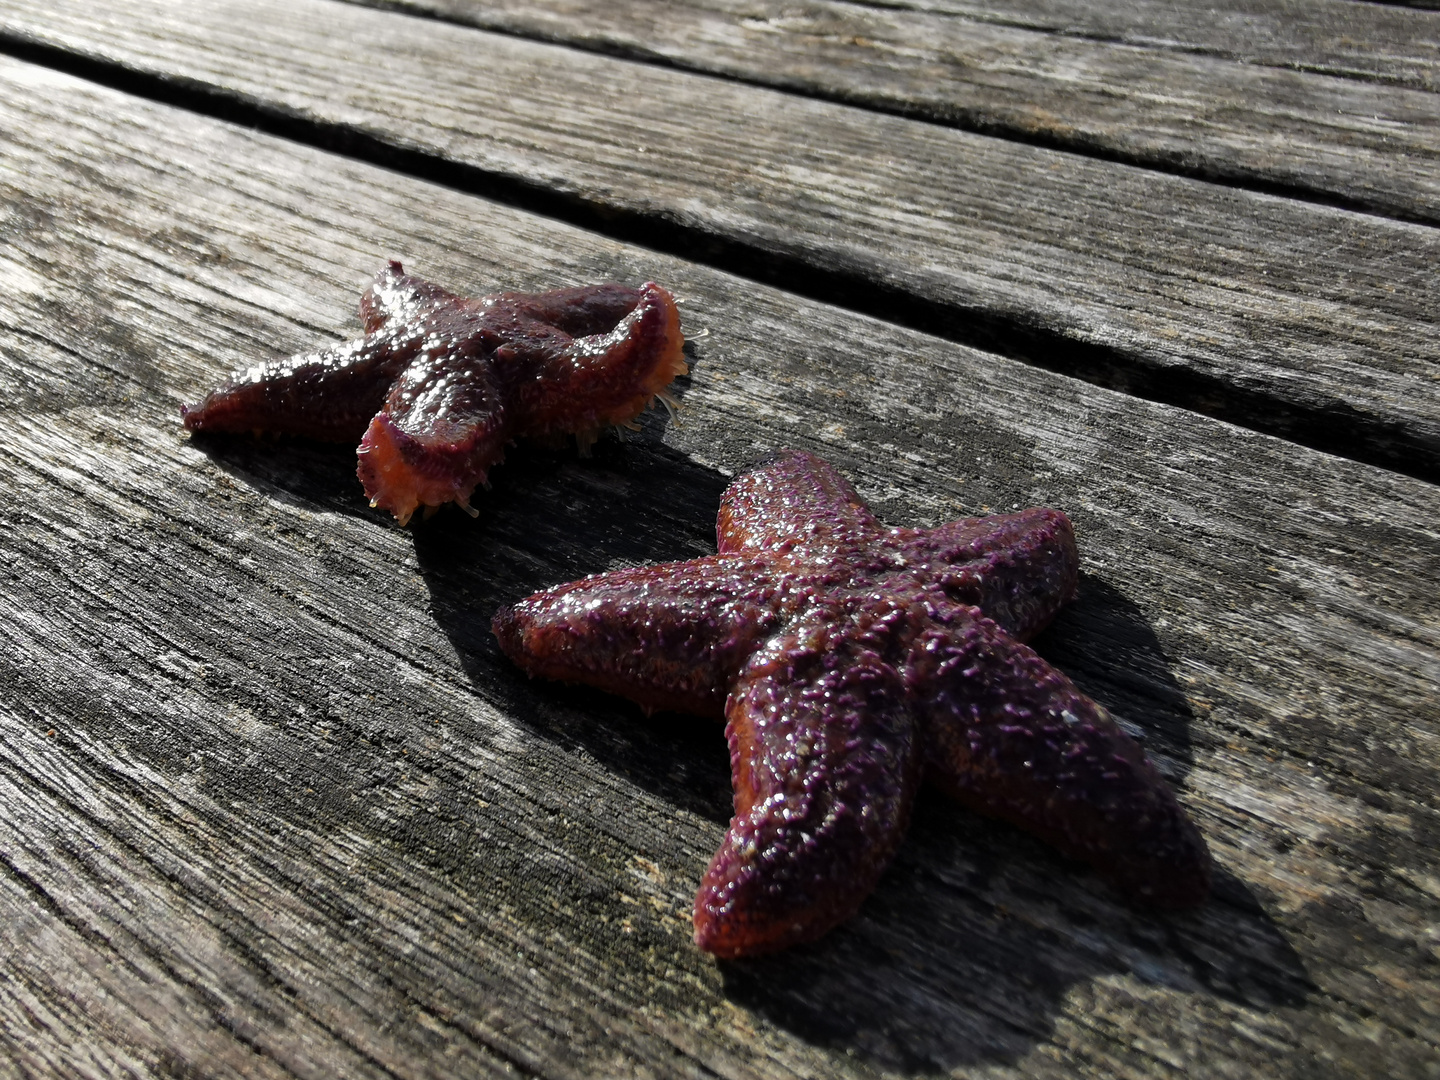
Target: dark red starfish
column 850, row 659
column 445, row 382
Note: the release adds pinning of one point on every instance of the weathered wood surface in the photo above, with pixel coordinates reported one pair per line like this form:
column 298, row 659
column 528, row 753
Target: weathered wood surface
column 1284, row 316
column 274, row 805
column 1191, row 106
column 1336, row 37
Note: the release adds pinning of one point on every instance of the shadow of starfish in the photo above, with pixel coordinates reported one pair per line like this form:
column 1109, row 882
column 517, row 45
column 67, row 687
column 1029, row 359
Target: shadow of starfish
column 977, row 941
column 972, row 942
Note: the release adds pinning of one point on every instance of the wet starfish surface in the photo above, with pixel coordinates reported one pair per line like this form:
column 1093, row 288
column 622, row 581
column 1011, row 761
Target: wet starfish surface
column 441, row 383
column 851, row 660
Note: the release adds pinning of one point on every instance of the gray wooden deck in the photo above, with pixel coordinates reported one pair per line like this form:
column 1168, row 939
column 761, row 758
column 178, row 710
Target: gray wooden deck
column 272, row 803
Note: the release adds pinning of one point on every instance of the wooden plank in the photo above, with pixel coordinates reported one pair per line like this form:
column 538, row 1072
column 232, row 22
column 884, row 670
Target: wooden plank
column 1340, row 38
column 276, row 805
column 1287, row 317
column 1189, row 106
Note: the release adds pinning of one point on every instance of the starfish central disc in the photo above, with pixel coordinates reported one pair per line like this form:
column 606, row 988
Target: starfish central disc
column 850, row 661
column 441, row 383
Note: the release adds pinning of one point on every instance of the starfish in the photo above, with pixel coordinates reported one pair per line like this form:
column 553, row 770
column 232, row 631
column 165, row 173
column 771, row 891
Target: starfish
column 850, row 661
column 440, row 383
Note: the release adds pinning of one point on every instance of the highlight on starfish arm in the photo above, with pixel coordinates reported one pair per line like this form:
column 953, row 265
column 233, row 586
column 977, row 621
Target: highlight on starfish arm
column 850, row 662
column 440, row 384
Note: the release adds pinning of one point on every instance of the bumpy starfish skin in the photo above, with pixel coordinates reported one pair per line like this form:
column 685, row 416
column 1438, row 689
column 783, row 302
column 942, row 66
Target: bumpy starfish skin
column 849, row 661
column 441, row 383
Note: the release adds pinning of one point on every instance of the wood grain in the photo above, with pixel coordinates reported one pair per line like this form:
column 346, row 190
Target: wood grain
column 1287, row 317
column 1341, row 38
column 275, row 805
column 1201, row 106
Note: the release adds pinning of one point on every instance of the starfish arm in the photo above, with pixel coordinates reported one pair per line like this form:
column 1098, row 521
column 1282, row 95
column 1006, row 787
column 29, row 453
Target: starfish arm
column 442, row 427
column 581, row 360
column 580, row 311
column 395, row 296
column 328, row 395
column 1020, row 569
column 671, row 636
column 792, row 499
column 825, row 758
column 1009, row 736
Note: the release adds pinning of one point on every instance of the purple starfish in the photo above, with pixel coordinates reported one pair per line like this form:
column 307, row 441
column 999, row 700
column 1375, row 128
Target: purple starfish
column 850, row 660
column 441, row 383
